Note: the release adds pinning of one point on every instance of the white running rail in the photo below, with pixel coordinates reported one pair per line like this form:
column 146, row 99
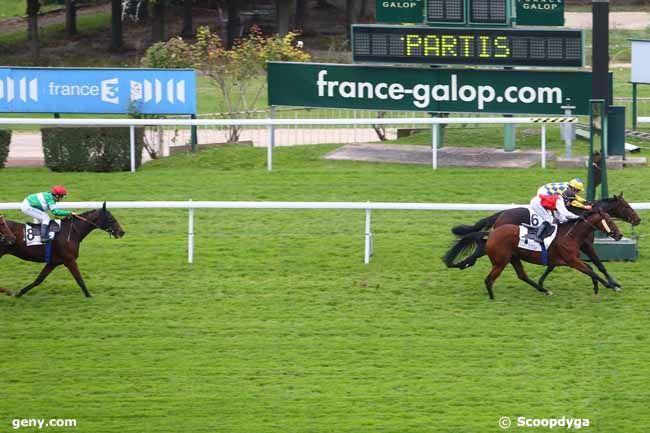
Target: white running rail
column 367, row 206
column 435, row 123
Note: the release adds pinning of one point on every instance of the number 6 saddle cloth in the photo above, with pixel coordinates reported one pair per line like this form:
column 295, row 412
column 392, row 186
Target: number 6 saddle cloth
column 524, row 229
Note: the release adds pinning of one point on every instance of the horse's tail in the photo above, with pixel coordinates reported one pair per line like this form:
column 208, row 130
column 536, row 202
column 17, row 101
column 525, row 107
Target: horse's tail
column 466, row 250
column 482, row 224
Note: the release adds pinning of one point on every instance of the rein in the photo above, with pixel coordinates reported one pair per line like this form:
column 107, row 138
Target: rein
column 593, row 226
column 90, row 222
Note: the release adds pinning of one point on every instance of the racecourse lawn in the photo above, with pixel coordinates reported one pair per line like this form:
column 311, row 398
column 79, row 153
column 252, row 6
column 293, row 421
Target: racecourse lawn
column 279, row 327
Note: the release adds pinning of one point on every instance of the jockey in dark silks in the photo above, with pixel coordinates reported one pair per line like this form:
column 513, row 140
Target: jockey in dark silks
column 575, row 185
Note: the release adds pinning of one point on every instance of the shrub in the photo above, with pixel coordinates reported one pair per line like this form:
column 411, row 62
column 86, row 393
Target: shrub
column 90, row 149
column 5, row 139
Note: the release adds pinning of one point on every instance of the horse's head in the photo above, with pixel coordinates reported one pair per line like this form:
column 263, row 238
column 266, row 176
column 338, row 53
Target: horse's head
column 603, row 222
column 618, row 207
column 108, row 223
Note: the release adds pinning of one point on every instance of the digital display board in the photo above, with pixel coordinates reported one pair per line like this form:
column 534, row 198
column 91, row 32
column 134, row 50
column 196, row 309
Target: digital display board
column 446, row 11
column 488, row 12
column 467, row 46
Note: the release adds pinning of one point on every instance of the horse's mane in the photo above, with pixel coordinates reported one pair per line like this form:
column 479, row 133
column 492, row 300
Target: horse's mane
column 88, row 212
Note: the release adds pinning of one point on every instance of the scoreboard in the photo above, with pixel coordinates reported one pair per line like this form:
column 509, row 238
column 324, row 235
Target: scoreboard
column 467, row 46
column 481, row 12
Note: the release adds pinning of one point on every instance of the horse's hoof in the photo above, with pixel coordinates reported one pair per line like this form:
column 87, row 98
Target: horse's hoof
column 548, row 293
column 616, row 289
column 88, row 295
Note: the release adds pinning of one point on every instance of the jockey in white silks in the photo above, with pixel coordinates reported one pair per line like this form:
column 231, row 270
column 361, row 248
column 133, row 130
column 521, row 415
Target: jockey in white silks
column 551, row 208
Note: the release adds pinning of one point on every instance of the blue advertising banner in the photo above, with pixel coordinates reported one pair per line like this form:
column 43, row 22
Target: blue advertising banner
column 97, row 91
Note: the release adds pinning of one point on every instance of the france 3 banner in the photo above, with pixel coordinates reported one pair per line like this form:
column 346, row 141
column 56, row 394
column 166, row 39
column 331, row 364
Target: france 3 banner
column 97, row 91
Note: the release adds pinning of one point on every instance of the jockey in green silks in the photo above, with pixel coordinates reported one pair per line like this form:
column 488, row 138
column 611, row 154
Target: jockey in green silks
column 37, row 206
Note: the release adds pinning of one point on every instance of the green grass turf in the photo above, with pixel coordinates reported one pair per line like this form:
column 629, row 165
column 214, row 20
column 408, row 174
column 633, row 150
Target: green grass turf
column 279, row 327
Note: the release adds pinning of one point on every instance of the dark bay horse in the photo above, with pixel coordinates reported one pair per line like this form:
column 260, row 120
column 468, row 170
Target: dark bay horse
column 65, row 246
column 616, row 207
column 501, row 245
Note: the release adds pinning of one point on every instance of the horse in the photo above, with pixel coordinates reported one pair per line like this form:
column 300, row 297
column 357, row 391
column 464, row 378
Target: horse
column 501, row 245
column 65, row 246
column 616, row 207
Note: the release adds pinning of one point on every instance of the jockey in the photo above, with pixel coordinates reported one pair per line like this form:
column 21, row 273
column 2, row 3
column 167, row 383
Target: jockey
column 551, row 208
column 576, row 185
column 37, row 205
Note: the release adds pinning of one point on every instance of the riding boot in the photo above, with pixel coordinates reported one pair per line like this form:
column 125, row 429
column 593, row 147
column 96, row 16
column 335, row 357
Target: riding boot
column 540, row 234
column 45, row 233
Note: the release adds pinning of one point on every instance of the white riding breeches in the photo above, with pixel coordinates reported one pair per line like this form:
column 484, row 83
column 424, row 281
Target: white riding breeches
column 38, row 214
column 544, row 214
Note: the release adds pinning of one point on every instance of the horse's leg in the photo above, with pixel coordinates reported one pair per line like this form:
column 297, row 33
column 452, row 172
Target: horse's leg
column 547, row 271
column 3, row 290
column 41, row 277
column 581, row 266
column 521, row 273
column 492, row 276
column 74, row 270
column 590, row 251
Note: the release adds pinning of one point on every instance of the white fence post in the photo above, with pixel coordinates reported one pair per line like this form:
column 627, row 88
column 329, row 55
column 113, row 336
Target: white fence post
column 434, row 146
column 132, row 138
column 269, row 147
column 543, row 145
column 190, row 234
column 368, row 246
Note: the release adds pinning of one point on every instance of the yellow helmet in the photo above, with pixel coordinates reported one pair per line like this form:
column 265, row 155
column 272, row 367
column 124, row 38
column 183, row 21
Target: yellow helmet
column 577, row 184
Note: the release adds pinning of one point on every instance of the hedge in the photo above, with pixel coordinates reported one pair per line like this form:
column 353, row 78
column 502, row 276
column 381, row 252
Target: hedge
column 90, row 149
column 5, row 139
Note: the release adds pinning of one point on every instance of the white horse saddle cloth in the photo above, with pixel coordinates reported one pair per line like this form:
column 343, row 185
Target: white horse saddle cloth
column 33, row 232
column 529, row 244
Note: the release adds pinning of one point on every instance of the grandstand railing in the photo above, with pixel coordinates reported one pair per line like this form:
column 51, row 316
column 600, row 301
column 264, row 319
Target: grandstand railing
column 368, row 207
column 270, row 124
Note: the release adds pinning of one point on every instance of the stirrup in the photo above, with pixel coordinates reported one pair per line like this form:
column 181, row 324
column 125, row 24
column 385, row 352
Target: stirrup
column 45, row 236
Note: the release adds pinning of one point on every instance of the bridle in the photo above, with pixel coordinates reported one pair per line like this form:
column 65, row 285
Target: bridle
column 603, row 222
column 101, row 226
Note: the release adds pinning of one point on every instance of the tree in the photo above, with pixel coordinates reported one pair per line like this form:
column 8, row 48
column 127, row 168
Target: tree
column 158, row 21
column 234, row 71
column 233, row 24
column 71, row 17
column 117, row 40
column 349, row 17
column 363, row 10
column 300, row 13
column 282, row 16
column 33, row 6
column 187, row 31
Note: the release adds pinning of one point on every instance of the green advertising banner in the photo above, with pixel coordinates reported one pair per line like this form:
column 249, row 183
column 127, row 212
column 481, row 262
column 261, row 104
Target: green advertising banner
column 427, row 89
column 400, row 11
column 540, row 12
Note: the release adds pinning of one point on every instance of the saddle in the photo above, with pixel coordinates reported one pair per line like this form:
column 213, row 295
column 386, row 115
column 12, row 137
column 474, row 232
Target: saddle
column 33, row 232
column 527, row 231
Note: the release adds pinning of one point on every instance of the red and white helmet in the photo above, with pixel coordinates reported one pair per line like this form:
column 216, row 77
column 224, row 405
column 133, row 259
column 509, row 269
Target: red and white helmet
column 59, row 190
